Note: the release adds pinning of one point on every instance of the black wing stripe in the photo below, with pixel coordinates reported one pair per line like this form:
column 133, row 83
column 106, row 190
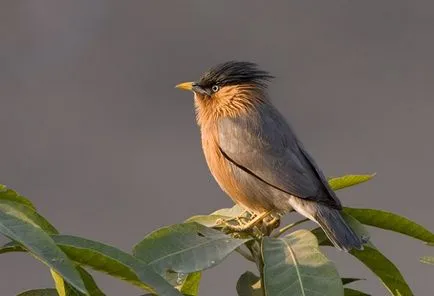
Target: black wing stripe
column 256, row 176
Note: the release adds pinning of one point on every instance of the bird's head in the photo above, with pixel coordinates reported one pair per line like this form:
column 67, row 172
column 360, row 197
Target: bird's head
column 228, row 89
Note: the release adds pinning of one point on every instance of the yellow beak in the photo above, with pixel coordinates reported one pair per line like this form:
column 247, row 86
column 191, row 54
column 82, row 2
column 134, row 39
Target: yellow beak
column 185, row 86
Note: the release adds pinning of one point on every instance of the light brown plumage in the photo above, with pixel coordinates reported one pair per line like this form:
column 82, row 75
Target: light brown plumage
column 230, row 101
column 254, row 155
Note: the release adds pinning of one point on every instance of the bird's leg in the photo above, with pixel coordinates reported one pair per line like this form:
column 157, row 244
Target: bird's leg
column 250, row 224
column 245, row 217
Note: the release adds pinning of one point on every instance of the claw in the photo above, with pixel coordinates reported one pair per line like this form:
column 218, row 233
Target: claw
column 248, row 226
column 269, row 224
column 238, row 219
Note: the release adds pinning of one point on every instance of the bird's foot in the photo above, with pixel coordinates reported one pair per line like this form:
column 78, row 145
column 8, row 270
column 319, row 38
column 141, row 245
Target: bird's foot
column 241, row 219
column 246, row 226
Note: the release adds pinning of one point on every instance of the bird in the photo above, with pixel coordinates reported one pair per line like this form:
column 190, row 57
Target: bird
column 254, row 154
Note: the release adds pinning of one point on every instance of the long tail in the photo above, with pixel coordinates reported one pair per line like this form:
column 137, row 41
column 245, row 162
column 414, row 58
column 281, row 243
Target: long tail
column 331, row 221
column 337, row 229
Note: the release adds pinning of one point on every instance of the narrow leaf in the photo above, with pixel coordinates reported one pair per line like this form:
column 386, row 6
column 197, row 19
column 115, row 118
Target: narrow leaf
column 372, row 258
column 190, row 286
column 352, row 292
column 294, row 265
column 90, row 284
column 185, row 248
column 187, row 283
column 346, row 281
column 11, row 195
column 235, row 211
column 20, row 208
column 114, row 262
column 39, row 243
column 27, row 214
column 64, row 289
column 12, row 247
column 427, row 260
column 39, row 292
column 249, row 284
column 391, row 221
column 222, row 214
column 337, row 183
column 206, row 220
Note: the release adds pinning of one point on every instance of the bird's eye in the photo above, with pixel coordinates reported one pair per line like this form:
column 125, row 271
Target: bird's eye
column 215, row 88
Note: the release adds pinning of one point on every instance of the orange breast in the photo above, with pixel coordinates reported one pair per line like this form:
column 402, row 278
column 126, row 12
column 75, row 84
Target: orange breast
column 221, row 169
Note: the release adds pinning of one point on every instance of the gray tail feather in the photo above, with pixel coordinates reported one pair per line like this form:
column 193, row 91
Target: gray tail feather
column 337, row 229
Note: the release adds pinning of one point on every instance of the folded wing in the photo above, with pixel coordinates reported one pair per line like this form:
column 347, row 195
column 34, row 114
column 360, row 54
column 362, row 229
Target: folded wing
column 263, row 145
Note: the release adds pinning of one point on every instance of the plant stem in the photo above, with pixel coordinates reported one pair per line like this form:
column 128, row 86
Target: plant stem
column 245, row 254
column 262, row 280
column 255, row 248
column 289, row 226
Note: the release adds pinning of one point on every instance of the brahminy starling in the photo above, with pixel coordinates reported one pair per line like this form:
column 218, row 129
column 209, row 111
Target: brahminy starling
column 254, row 155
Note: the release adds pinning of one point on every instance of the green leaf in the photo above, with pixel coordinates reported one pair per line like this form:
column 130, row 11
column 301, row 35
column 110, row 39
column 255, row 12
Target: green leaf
column 186, row 283
column 90, row 284
column 11, row 195
column 12, row 204
column 190, row 286
column 222, row 214
column 185, row 248
column 19, row 206
column 235, row 211
column 39, row 243
column 372, row 258
column 352, row 292
column 12, row 247
column 39, row 292
column 427, row 260
column 337, row 183
column 206, row 220
column 249, row 284
column 64, row 289
column 391, row 221
column 23, row 212
column 294, row 265
column 114, row 262
column 346, row 281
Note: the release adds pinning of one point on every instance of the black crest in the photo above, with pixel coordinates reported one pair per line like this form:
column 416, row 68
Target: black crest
column 234, row 72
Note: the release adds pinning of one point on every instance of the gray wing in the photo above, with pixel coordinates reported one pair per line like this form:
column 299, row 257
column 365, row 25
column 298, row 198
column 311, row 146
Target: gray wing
column 266, row 147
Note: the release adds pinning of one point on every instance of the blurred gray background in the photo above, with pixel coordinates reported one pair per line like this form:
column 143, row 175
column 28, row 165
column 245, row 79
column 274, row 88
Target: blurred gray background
column 95, row 134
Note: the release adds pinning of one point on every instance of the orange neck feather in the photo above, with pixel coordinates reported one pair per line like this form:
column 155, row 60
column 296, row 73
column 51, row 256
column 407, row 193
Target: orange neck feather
column 229, row 101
